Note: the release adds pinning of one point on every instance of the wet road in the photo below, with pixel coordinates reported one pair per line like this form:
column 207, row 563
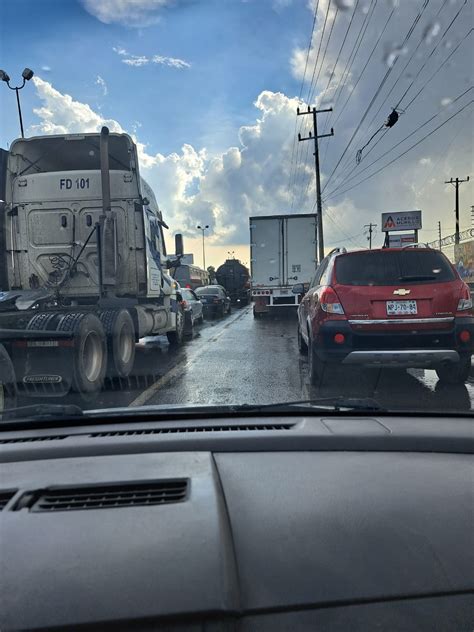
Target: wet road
column 237, row 360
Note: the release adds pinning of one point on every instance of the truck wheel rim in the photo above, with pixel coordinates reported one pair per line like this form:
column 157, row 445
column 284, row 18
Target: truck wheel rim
column 125, row 345
column 92, row 356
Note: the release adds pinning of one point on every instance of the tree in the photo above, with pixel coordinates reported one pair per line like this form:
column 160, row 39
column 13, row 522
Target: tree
column 212, row 274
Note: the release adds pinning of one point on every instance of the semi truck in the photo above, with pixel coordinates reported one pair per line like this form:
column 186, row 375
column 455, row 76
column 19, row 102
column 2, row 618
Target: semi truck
column 282, row 254
column 235, row 278
column 83, row 267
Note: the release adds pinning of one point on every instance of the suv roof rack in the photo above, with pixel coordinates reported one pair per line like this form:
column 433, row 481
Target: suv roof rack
column 341, row 250
column 417, row 245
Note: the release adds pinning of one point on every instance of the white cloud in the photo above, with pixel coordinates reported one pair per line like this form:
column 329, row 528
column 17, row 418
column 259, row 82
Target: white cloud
column 251, row 178
column 134, row 13
column 101, row 82
column 142, row 60
column 119, row 50
column 174, row 62
column 46, row 68
column 136, row 61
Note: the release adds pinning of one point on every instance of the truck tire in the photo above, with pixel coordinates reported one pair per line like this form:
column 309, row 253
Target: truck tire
column 120, row 332
column 455, row 373
column 8, row 391
column 89, row 353
column 176, row 337
column 44, row 322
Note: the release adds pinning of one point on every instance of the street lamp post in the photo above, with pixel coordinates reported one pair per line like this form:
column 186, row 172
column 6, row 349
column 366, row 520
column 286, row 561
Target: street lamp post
column 27, row 74
column 203, row 228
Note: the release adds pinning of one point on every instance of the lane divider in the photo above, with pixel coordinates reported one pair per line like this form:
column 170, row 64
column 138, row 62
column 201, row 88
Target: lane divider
column 180, row 367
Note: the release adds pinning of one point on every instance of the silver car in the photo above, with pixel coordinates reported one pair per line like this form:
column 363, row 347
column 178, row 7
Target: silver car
column 193, row 310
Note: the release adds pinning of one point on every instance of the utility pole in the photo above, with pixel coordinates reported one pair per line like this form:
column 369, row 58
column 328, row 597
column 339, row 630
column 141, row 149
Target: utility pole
column 439, row 234
column 314, row 138
column 371, row 228
column 456, row 184
column 203, row 229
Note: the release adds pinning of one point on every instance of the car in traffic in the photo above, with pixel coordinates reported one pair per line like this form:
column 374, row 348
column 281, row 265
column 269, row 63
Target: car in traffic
column 215, row 300
column 404, row 307
column 193, row 309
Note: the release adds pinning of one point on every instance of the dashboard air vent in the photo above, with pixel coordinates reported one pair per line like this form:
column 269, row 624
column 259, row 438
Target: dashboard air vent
column 30, row 439
column 106, row 496
column 5, row 497
column 191, row 429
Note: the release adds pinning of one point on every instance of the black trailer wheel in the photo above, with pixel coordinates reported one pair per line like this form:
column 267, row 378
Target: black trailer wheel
column 120, row 332
column 176, row 337
column 8, row 391
column 455, row 373
column 89, row 353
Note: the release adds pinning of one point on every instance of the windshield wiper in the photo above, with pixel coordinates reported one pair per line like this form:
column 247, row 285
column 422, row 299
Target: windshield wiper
column 417, row 277
column 322, row 403
column 40, row 412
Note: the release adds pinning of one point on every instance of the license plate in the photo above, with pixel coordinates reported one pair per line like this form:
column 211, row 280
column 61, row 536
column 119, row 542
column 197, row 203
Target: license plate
column 401, row 308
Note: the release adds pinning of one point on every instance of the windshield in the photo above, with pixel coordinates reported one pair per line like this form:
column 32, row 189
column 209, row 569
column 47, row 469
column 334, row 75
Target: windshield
column 240, row 203
column 391, row 268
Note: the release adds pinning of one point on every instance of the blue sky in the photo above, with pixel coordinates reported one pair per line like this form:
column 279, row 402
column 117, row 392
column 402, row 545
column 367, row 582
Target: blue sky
column 209, row 90
column 235, row 49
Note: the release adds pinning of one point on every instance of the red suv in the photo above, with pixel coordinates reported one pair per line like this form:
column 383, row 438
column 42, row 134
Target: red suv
column 393, row 307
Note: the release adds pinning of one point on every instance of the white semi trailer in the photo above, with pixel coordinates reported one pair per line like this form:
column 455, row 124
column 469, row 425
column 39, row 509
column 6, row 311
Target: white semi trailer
column 83, row 265
column 282, row 253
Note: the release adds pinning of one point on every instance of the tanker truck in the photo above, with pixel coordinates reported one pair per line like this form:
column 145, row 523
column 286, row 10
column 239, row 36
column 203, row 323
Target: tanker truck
column 83, row 265
column 235, row 278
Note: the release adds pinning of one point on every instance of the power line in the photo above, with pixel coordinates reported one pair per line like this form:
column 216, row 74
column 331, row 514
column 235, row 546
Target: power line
column 349, row 63
column 370, row 104
column 404, row 68
column 324, row 56
column 347, row 177
column 310, row 95
column 440, row 111
column 301, row 92
column 390, row 69
column 403, row 153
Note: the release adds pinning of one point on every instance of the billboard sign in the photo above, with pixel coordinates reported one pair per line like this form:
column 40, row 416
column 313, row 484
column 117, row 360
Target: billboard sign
column 398, row 241
column 404, row 220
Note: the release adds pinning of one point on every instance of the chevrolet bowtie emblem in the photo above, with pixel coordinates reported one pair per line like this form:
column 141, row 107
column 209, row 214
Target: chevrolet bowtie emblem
column 401, row 292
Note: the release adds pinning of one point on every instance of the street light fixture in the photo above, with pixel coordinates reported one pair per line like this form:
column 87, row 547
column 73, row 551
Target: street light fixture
column 203, row 228
column 27, row 74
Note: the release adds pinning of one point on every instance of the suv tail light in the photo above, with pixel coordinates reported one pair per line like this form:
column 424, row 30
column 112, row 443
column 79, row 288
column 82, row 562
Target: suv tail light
column 329, row 302
column 465, row 302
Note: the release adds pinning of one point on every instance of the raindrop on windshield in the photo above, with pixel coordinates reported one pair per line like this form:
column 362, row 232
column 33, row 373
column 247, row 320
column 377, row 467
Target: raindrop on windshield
column 446, row 101
column 431, row 31
column 343, row 5
column 392, row 53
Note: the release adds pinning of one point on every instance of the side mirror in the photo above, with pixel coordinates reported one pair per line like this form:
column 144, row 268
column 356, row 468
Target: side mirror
column 298, row 289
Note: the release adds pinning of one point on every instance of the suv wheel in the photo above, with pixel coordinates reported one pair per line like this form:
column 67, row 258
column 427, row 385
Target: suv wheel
column 302, row 346
column 455, row 373
column 316, row 366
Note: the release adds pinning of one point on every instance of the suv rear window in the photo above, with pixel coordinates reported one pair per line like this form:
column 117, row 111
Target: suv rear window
column 393, row 267
column 203, row 291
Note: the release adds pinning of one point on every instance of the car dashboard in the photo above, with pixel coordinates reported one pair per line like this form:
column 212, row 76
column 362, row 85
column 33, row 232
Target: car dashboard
column 301, row 522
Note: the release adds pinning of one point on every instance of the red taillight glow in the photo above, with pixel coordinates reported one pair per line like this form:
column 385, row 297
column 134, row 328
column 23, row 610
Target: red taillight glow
column 464, row 336
column 339, row 339
column 465, row 300
column 329, row 302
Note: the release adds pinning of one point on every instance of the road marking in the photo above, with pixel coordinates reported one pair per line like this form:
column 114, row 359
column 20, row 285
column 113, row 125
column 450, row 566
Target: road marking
column 178, row 368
